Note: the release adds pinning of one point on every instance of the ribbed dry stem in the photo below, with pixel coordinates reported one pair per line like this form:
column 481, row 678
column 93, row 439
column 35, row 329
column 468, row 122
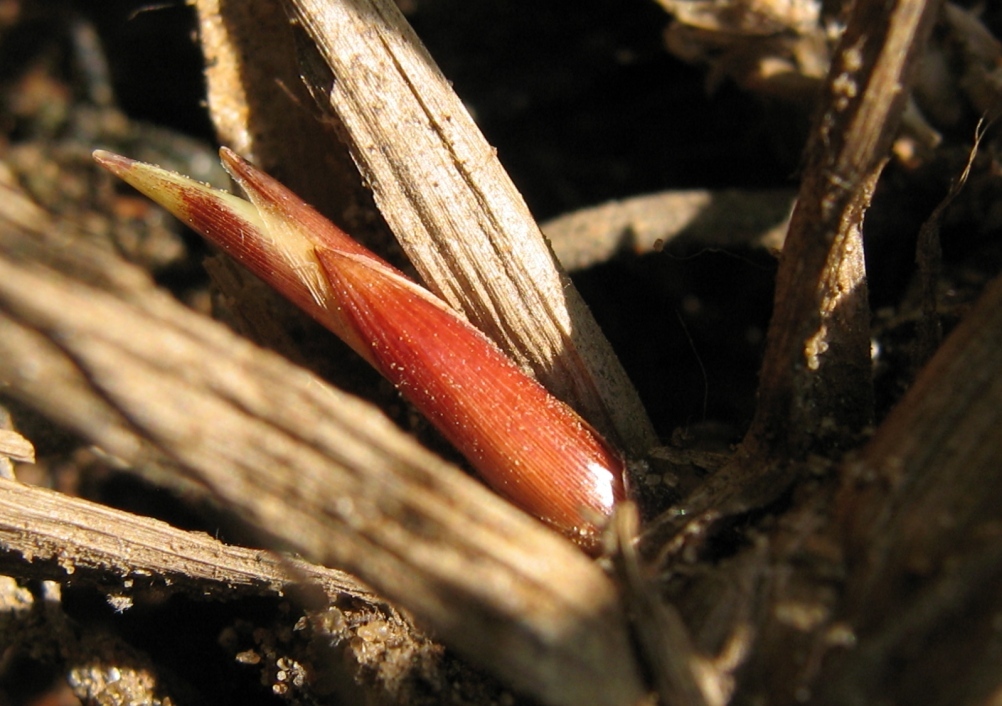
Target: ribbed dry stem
column 47, row 535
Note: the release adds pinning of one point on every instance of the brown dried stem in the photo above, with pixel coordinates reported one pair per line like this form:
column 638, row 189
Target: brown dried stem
column 922, row 502
column 879, row 583
column 815, row 388
column 816, row 377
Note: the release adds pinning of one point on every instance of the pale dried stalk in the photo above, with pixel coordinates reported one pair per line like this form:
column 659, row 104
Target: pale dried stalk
column 453, row 208
column 45, row 535
column 703, row 218
column 60, row 536
column 15, row 447
column 323, row 472
column 680, row 674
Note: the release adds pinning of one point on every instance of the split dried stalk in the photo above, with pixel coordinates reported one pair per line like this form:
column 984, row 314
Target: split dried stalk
column 462, row 223
column 816, row 377
column 16, row 447
column 47, row 536
column 90, row 342
column 13, row 447
column 681, row 676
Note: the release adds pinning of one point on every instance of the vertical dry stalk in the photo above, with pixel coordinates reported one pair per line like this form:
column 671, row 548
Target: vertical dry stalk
column 815, row 388
column 815, row 382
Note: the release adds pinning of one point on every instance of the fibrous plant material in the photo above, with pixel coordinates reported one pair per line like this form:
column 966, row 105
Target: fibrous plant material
column 919, row 515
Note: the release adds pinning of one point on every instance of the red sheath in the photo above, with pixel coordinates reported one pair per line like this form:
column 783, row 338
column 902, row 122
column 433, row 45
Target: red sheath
column 523, row 442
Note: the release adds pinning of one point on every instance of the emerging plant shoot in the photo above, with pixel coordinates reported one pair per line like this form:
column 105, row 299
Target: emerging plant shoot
column 529, row 446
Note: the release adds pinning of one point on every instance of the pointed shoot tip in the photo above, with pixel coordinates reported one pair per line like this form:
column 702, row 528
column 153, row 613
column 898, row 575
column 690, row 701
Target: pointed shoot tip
column 240, row 169
column 114, row 163
column 234, row 163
